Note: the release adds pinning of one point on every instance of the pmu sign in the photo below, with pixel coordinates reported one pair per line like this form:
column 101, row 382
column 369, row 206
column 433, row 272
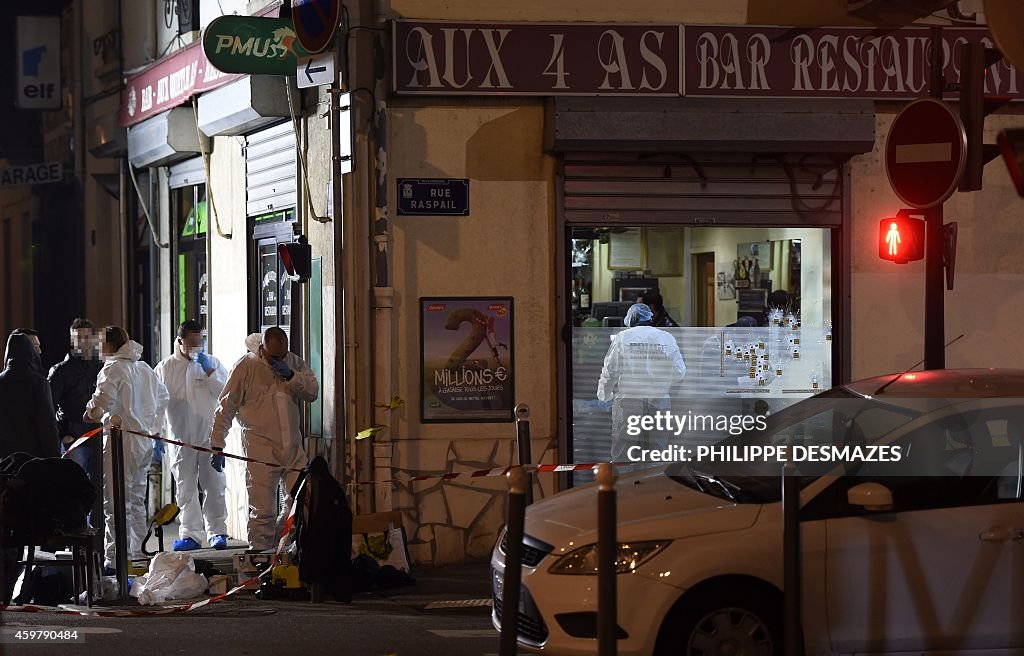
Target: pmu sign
column 38, row 62
column 253, row 45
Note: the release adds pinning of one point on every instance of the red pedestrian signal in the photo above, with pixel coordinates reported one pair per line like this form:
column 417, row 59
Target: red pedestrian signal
column 296, row 258
column 901, row 239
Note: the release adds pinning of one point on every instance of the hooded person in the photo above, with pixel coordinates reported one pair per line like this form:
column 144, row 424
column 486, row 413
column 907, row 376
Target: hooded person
column 263, row 393
column 128, row 387
column 640, row 368
column 29, row 424
column 194, row 380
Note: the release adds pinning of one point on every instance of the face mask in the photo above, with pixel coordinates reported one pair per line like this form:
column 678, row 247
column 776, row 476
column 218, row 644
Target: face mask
column 194, row 351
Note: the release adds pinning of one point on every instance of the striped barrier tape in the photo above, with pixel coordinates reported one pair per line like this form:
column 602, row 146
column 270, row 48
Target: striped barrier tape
column 480, row 473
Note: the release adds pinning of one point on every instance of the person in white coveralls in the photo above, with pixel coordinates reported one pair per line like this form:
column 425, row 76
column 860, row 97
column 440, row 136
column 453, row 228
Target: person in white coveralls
column 128, row 387
column 642, row 364
column 194, row 380
column 263, row 393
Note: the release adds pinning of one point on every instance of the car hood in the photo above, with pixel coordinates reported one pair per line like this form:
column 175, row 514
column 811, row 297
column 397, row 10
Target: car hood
column 649, row 505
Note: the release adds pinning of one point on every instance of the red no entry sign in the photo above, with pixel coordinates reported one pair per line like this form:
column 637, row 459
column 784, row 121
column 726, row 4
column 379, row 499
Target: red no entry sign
column 924, row 153
column 315, row 22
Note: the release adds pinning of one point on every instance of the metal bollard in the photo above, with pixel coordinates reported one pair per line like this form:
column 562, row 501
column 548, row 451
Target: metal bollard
column 518, row 483
column 522, row 412
column 119, row 510
column 607, row 547
column 792, row 605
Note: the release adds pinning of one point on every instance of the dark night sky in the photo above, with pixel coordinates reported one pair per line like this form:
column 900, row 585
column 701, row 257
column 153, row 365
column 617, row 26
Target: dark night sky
column 20, row 139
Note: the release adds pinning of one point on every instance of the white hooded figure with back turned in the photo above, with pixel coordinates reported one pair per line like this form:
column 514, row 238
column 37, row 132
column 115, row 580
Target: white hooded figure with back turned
column 128, row 387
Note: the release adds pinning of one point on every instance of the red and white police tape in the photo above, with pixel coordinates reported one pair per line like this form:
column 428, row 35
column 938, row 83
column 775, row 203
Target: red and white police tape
column 480, row 473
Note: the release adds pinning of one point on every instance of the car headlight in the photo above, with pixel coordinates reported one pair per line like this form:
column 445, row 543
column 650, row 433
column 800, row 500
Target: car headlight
column 630, row 555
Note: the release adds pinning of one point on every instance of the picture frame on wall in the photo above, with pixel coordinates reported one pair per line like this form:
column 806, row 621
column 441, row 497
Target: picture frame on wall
column 626, row 249
column 756, row 250
column 664, row 251
column 466, row 359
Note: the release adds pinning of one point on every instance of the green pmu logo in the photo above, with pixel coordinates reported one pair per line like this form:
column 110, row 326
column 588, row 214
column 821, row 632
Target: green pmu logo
column 278, row 45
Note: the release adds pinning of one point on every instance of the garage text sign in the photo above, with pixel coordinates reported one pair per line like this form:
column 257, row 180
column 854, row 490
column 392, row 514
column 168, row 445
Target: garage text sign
column 31, row 174
column 536, row 59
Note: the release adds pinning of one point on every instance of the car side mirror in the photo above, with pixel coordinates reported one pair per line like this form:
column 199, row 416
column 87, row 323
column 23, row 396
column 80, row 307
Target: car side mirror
column 874, row 497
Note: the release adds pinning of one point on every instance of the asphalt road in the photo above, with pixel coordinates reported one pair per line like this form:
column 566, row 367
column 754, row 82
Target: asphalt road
column 374, row 624
column 368, row 628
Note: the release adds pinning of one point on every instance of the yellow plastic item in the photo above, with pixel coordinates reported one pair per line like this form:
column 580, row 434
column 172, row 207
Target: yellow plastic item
column 166, row 515
column 288, row 575
column 138, row 567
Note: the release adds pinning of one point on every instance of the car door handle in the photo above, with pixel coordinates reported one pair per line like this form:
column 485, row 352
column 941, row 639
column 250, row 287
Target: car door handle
column 1001, row 535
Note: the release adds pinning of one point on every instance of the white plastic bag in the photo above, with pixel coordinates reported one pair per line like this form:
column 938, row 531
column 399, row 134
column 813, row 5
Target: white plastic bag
column 171, row 576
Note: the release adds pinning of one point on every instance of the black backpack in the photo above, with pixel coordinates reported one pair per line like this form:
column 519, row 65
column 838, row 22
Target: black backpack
column 323, row 531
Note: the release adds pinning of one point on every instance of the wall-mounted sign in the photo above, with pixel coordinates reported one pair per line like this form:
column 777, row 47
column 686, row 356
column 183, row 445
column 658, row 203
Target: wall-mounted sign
column 536, row 58
column 316, row 71
column 830, row 62
column 593, row 59
column 466, row 360
column 169, row 83
column 31, row 174
column 254, row 45
column 433, row 197
column 38, row 63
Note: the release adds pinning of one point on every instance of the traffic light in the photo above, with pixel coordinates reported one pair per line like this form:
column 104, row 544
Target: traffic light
column 297, row 259
column 901, row 238
column 975, row 60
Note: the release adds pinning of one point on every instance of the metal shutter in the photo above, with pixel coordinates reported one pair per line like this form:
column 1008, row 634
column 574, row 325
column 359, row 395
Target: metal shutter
column 702, row 189
column 270, row 169
column 189, row 172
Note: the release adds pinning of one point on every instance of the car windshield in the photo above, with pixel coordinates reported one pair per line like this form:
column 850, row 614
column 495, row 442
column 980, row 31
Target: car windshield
column 834, row 418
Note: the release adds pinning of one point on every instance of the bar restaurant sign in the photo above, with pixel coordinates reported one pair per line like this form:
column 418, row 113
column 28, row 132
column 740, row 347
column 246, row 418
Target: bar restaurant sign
column 593, row 59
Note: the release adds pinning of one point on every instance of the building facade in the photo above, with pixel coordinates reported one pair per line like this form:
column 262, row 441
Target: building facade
column 520, row 174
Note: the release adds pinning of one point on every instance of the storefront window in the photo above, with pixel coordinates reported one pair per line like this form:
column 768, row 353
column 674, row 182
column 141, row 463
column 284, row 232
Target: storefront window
column 189, row 210
column 750, row 310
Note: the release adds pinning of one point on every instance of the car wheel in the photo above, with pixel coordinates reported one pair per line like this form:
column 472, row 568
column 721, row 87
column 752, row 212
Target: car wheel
column 730, row 621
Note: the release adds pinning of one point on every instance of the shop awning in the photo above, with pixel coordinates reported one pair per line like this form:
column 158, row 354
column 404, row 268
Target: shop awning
column 166, row 138
column 768, row 125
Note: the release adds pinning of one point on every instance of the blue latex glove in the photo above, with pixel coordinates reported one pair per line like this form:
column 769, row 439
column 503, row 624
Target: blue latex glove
column 158, row 451
column 204, row 361
column 217, row 461
column 282, row 369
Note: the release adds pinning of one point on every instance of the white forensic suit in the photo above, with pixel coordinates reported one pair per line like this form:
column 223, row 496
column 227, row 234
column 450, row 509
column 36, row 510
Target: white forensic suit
column 193, row 400
column 639, row 370
column 127, row 386
column 267, row 409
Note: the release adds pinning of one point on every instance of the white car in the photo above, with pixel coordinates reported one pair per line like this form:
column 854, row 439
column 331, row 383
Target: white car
column 922, row 555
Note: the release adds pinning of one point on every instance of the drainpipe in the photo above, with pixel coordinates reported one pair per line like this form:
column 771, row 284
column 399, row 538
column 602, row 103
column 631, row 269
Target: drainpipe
column 383, row 293
column 341, row 432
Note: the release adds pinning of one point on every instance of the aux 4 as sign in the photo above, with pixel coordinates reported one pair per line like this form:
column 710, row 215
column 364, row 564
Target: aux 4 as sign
column 253, row 45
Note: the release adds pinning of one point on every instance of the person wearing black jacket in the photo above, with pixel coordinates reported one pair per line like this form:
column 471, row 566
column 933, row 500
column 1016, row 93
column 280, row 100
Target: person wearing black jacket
column 29, row 424
column 72, row 383
column 661, row 319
